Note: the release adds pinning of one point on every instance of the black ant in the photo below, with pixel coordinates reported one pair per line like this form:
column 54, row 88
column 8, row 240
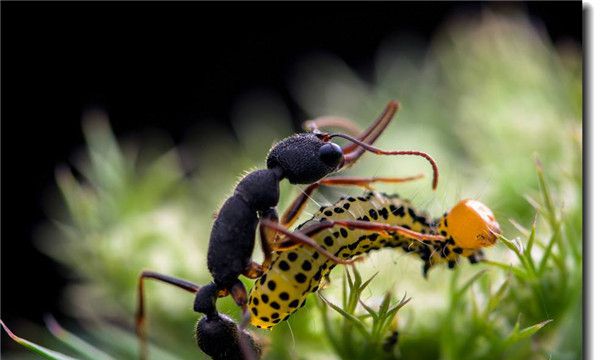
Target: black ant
column 305, row 158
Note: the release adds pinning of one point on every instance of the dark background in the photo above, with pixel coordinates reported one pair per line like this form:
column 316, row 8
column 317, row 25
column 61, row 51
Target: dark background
column 166, row 66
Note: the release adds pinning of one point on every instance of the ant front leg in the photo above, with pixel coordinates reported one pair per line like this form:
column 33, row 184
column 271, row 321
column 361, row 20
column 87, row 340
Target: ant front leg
column 293, row 211
column 140, row 315
column 358, row 146
column 255, row 270
column 374, row 226
column 369, row 135
column 314, row 125
column 352, row 152
column 296, row 238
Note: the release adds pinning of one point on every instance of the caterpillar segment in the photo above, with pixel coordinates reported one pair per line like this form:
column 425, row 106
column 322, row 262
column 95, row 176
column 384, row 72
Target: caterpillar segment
column 295, row 273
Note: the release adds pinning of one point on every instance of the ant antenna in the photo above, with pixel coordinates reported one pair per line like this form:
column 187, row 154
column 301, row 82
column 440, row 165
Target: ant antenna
column 349, row 158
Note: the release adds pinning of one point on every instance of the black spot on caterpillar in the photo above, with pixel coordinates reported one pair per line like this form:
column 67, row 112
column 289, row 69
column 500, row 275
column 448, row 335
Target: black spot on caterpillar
column 299, row 272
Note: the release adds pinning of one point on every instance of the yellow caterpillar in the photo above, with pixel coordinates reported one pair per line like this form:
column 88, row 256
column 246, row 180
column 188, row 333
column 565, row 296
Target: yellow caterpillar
column 295, row 273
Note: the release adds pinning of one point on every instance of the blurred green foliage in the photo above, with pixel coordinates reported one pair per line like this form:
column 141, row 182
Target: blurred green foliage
column 488, row 95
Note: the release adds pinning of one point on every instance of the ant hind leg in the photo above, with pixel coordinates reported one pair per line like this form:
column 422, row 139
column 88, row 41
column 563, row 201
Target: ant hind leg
column 140, row 315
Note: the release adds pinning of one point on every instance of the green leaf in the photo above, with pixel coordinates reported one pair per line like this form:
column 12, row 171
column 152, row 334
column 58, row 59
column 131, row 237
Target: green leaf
column 518, row 272
column 517, row 248
column 531, row 239
column 520, row 334
column 126, row 342
column 366, row 283
column 353, row 319
column 74, row 342
column 331, row 334
column 547, row 252
column 512, row 245
column 357, row 277
column 393, row 311
column 529, row 331
column 40, row 350
column 520, row 228
column 497, row 297
column 534, row 203
column 546, row 193
column 550, row 208
column 385, row 304
column 469, row 283
column 370, row 310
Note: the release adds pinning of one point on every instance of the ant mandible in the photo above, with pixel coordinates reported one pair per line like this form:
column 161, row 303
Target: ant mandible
column 305, row 158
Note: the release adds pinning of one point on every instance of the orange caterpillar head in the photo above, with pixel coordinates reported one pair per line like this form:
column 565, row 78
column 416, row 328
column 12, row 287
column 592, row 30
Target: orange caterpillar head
column 471, row 224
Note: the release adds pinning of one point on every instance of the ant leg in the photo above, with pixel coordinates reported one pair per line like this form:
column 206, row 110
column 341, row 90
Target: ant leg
column 365, row 181
column 293, row 211
column 369, row 135
column 254, row 270
column 353, row 151
column 299, row 238
column 240, row 296
column 332, row 121
column 354, row 224
column 267, row 236
column 295, row 208
column 372, row 132
column 373, row 226
column 351, row 157
column 140, row 313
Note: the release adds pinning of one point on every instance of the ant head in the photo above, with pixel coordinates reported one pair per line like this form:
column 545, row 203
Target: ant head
column 220, row 338
column 305, row 158
column 471, row 224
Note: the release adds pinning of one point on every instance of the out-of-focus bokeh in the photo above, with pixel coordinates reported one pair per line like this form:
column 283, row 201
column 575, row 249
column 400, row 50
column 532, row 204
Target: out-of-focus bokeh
column 489, row 95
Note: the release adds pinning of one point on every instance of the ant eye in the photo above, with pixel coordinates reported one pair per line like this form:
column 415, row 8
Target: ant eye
column 331, row 154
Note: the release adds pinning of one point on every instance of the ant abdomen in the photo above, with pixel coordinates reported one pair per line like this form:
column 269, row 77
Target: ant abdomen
column 219, row 337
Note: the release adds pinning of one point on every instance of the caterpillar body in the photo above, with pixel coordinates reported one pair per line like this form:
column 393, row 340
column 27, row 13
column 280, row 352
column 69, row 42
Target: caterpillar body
column 295, row 273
